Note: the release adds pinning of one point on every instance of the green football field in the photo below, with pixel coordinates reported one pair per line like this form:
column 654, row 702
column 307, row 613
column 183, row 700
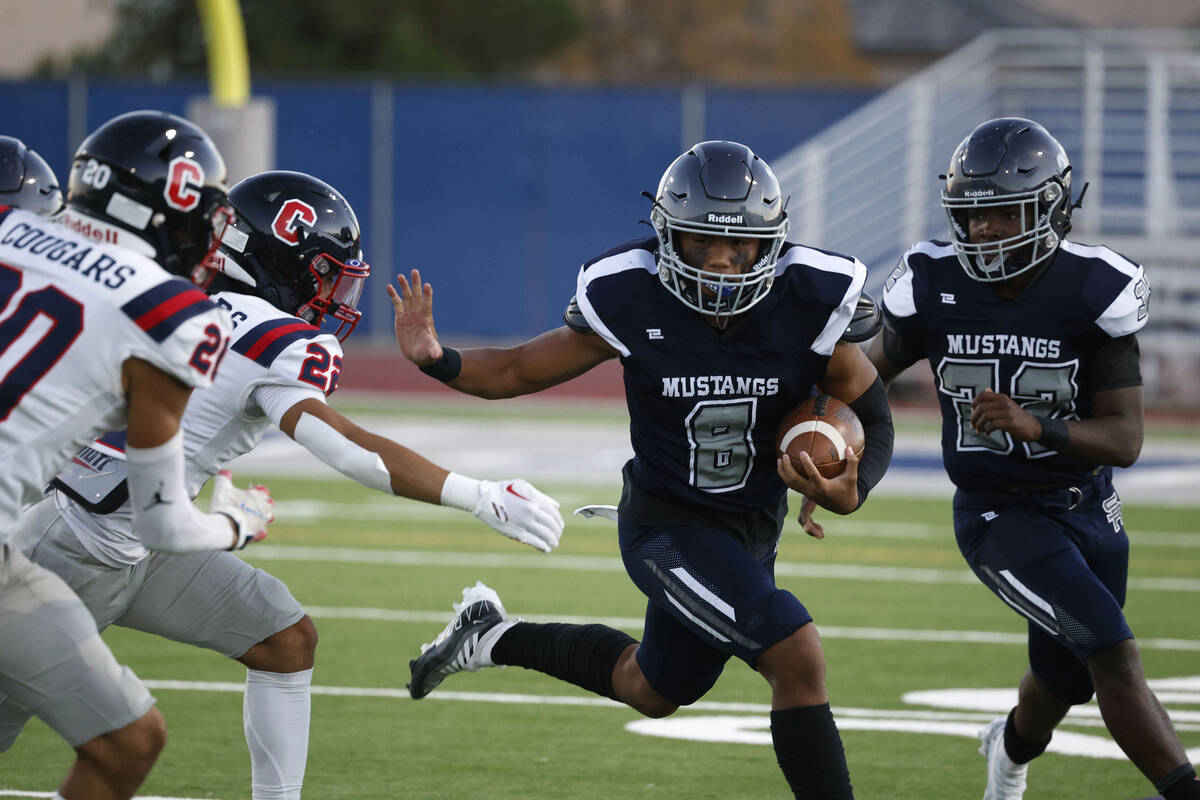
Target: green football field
column 919, row 657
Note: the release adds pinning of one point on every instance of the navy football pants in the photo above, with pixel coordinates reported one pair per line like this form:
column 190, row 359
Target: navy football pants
column 709, row 600
column 1063, row 569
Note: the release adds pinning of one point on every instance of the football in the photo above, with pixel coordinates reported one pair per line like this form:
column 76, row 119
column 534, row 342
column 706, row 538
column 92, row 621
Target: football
column 823, row 427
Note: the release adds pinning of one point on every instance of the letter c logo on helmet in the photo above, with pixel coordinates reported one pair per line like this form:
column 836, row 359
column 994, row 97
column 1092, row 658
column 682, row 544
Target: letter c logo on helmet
column 291, row 212
column 184, row 177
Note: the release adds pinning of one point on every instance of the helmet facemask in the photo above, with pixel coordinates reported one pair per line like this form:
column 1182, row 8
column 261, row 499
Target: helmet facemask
column 716, row 293
column 345, row 281
column 1002, row 259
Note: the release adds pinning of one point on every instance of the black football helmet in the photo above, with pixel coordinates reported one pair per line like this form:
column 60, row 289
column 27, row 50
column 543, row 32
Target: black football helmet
column 718, row 188
column 26, row 180
column 296, row 241
column 1009, row 162
column 156, row 176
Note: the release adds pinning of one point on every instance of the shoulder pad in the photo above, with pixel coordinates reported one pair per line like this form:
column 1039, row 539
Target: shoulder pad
column 574, row 318
column 866, row 322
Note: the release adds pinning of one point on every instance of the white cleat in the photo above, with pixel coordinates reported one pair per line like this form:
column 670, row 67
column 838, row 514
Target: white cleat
column 1006, row 780
column 465, row 644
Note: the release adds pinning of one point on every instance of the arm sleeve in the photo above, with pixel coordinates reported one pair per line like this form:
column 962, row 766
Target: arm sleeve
column 275, row 399
column 163, row 515
column 1115, row 364
column 876, row 417
column 902, row 351
column 355, row 462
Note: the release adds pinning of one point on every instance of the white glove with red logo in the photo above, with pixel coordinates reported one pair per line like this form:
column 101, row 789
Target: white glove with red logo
column 513, row 507
column 251, row 509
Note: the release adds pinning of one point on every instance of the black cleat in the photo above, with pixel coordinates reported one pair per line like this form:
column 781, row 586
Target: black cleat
column 459, row 646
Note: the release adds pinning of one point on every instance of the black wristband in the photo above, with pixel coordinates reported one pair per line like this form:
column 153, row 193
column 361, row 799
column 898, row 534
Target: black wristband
column 446, row 368
column 1054, row 433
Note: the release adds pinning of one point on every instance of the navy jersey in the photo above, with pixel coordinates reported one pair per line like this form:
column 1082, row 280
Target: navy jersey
column 704, row 403
column 1040, row 349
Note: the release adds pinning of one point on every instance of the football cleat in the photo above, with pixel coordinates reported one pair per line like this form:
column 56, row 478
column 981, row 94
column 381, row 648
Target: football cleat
column 465, row 643
column 1006, row 779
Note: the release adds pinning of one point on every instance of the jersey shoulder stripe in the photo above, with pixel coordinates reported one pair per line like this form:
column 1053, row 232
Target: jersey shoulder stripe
column 1116, row 289
column 597, row 293
column 163, row 308
column 265, row 341
column 114, row 440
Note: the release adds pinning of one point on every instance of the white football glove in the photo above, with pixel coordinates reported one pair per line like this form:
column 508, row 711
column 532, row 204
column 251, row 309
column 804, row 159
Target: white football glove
column 520, row 512
column 251, row 509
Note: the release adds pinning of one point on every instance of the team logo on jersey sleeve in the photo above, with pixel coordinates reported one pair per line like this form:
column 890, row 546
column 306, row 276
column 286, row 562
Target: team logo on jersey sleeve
column 290, row 213
column 184, row 177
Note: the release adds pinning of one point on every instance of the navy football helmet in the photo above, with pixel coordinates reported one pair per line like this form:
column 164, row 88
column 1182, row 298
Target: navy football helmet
column 26, row 180
column 153, row 182
column 297, row 242
column 718, row 188
column 1009, row 162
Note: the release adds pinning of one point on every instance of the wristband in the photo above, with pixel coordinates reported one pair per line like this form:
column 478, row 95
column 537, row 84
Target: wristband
column 446, row 368
column 460, row 492
column 1054, row 433
column 237, row 529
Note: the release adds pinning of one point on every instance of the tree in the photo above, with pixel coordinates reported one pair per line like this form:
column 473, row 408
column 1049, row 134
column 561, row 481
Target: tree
column 461, row 38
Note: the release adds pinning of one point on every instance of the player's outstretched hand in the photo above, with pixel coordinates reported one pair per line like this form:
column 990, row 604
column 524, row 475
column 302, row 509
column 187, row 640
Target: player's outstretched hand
column 413, row 307
column 520, row 512
column 991, row 411
column 810, row 525
column 251, row 509
column 839, row 495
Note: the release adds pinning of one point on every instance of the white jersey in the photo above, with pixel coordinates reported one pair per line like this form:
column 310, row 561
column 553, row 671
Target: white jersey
column 72, row 311
column 275, row 360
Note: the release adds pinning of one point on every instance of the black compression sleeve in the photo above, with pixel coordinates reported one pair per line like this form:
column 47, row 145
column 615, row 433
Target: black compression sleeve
column 900, row 351
column 876, row 417
column 1115, row 364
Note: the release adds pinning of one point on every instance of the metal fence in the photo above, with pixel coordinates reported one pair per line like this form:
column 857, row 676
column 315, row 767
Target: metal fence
column 1125, row 105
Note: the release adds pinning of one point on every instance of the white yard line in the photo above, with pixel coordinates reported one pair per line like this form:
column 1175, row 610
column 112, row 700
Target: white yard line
column 827, row 631
column 319, row 512
column 431, row 558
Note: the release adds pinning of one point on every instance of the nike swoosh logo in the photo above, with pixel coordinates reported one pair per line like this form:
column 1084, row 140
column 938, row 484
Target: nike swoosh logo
column 514, row 491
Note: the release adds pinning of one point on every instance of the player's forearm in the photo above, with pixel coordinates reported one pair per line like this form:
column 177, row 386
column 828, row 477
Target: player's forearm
column 875, row 415
column 1114, row 441
column 163, row 515
column 369, row 459
column 494, row 373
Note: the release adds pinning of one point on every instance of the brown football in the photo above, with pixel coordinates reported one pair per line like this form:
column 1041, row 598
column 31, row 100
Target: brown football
column 823, row 427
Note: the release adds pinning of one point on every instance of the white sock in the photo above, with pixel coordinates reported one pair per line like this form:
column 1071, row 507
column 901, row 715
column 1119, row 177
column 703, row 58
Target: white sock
column 276, row 713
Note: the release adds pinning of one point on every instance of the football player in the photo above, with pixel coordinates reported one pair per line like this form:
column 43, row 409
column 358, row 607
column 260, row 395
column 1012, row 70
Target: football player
column 1032, row 339
column 26, row 180
column 722, row 327
column 96, row 334
column 289, row 263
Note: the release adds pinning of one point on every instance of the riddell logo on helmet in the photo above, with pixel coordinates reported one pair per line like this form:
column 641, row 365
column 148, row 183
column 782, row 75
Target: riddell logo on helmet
column 727, row 219
column 979, row 193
